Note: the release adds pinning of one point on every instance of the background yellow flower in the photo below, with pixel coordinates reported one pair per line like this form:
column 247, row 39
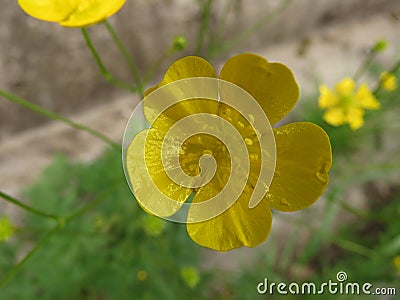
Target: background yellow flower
column 388, row 81
column 71, row 13
column 345, row 105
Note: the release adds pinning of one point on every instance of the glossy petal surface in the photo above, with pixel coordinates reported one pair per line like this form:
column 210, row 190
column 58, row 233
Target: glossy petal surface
column 304, row 158
column 238, row 226
column 71, row 13
column 271, row 84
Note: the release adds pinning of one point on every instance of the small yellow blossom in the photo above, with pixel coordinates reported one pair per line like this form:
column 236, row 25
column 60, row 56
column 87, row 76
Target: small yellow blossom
column 141, row 275
column 396, row 262
column 7, row 229
column 71, row 13
column 345, row 105
column 388, row 81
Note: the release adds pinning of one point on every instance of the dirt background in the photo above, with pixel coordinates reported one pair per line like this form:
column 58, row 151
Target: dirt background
column 51, row 65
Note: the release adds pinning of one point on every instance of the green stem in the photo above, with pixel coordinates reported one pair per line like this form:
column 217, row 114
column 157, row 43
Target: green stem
column 205, row 22
column 359, row 213
column 288, row 250
column 365, row 65
column 106, row 74
column 28, row 208
column 353, row 247
column 157, row 64
column 92, row 203
column 57, row 117
column 322, row 234
column 221, row 25
column 228, row 45
column 127, row 57
column 14, row 270
column 61, row 224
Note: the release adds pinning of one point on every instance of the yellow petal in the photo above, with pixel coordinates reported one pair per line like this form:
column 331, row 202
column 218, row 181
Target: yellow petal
column 186, row 67
column 304, row 158
column 49, row 10
column 366, row 99
column 335, row 116
column 388, row 81
column 327, row 98
column 91, row 12
column 238, row 226
column 271, row 84
column 153, row 189
column 71, row 13
column 355, row 117
column 345, row 88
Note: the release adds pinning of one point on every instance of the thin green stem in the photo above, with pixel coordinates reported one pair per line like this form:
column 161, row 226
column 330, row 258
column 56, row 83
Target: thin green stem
column 269, row 17
column 323, row 232
column 205, row 7
column 359, row 213
column 221, row 24
column 353, row 247
column 106, row 74
column 57, row 117
column 39, row 245
column 365, row 65
column 149, row 74
column 61, row 224
column 288, row 250
column 28, row 208
column 92, row 203
column 127, row 57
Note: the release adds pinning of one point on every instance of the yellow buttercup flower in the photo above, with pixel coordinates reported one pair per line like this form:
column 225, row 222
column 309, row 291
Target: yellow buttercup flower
column 388, row 81
column 71, row 13
column 345, row 105
column 303, row 152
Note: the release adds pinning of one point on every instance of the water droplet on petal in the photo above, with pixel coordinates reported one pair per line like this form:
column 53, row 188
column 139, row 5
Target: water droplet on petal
column 323, row 177
column 251, row 118
column 248, row 141
column 209, row 152
column 284, row 202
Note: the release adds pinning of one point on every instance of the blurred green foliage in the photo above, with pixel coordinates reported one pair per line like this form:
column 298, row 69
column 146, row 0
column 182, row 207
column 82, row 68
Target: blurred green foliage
column 104, row 254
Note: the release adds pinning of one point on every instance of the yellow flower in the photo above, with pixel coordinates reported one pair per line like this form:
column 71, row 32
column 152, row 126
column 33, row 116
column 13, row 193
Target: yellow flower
column 141, row 275
column 388, row 81
column 303, row 152
column 396, row 262
column 345, row 105
column 71, row 13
